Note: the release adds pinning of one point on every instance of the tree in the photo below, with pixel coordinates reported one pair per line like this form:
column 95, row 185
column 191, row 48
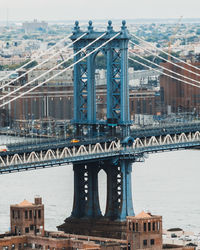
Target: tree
column 30, row 65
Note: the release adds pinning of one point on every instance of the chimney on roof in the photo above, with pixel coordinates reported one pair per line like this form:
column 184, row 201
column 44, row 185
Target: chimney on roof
column 38, row 200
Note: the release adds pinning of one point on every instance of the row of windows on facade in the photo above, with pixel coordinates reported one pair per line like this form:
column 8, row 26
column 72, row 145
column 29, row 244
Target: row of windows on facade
column 145, row 243
column 27, row 230
column 26, row 245
column 32, row 227
column 147, row 226
column 27, row 214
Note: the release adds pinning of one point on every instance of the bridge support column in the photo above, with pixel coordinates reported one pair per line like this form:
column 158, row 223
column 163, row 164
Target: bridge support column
column 86, row 198
column 119, row 194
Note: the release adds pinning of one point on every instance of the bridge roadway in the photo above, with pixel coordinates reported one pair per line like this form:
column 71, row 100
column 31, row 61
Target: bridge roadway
column 54, row 153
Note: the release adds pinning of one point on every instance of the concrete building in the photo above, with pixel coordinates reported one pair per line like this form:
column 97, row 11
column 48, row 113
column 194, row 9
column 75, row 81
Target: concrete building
column 34, row 26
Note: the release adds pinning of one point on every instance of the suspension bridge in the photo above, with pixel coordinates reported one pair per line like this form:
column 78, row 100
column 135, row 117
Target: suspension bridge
column 119, row 148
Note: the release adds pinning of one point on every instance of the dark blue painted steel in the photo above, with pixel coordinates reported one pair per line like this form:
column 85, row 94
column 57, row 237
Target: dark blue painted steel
column 116, row 53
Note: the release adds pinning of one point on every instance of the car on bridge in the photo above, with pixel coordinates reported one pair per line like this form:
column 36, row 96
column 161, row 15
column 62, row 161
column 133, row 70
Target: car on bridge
column 74, row 140
column 3, row 148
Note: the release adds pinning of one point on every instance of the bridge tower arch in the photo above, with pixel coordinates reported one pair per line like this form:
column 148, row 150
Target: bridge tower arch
column 116, row 53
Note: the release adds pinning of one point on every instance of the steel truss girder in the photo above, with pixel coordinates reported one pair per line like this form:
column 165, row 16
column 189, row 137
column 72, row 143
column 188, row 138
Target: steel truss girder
column 13, row 161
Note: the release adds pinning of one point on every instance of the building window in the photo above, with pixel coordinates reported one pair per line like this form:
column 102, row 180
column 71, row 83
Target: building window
column 145, row 227
column 136, row 227
column 26, row 214
column 30, row 214
column 39, row 214
column 154, row 227
column 152, row 241
column 133, row 227
column 13, row 214
column 149, row 226
column 31, row 227
column 144, row 242
column 18, row 213
column 26, row 230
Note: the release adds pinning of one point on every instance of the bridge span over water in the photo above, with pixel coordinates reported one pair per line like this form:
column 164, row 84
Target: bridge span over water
column 54, row 153
column 114, row 153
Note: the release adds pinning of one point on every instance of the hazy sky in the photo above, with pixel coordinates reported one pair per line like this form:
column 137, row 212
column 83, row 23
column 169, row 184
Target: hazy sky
column 97, row 9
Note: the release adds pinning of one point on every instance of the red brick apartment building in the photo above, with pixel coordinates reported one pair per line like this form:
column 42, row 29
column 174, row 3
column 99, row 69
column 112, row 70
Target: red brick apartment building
column 177, row 96
column 143, row 232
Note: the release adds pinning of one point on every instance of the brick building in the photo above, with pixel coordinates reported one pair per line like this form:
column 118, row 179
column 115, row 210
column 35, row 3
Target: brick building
column 177, row 96
column 56, row 101
column 55, row 98
column 142, row 232
column 27, row 218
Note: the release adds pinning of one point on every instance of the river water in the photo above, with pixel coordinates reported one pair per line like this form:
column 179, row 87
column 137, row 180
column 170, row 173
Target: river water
column 166, row 184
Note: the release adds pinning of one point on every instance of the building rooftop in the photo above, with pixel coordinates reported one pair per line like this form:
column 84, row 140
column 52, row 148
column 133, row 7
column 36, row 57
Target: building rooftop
column 24, row 203
column 143, row 215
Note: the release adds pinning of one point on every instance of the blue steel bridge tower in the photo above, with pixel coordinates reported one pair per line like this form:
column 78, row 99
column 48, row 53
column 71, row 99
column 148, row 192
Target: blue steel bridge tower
column 86, row 207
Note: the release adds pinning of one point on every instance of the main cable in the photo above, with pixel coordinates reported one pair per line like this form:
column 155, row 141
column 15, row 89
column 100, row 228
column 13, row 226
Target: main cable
column 142, row 40
column 156, row 70
column 189, row 78
column 48, row 71
column 46, row 60
column 42, row 54
column 40, row 84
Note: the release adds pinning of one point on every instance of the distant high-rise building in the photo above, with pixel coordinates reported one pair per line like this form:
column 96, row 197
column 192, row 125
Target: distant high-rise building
column 35, row 26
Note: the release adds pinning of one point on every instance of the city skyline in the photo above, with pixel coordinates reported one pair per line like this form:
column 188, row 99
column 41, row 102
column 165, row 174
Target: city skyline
column 86, row 9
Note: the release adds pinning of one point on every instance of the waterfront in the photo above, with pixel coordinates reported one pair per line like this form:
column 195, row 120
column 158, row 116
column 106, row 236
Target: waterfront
column 167, row 184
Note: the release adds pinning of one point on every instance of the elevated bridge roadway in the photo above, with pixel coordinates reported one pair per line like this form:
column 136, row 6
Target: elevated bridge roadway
column 58, row 153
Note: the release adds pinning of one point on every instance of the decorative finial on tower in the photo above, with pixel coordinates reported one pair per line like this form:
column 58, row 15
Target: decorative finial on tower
column 123, row 25
column 76, row 27
column 109, row 27
column 124, row 30
column 90, row 27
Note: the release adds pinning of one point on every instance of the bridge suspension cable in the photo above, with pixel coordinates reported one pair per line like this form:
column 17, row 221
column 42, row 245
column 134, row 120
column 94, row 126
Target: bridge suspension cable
column 172, row 71
column 48, row 71
column 149, row 67
column 40, row 84
column 159, row 66
column 153, row 46
column 26, row 64
column 5, row 85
